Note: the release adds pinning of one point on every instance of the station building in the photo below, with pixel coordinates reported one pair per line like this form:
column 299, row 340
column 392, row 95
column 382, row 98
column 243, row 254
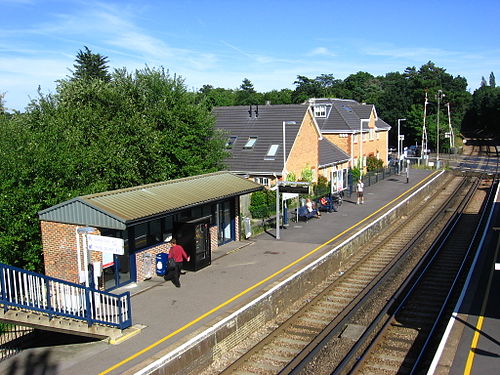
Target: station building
column 201, row 212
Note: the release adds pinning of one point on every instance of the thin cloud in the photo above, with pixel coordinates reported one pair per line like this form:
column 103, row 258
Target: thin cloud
column 321, row 51
column 413, row 53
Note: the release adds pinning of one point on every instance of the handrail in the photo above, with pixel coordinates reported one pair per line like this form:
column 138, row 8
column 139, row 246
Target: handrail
column 54, row 297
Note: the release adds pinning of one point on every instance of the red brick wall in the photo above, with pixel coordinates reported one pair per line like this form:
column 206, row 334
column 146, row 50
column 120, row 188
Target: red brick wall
column 140, row 260
column 60, row 252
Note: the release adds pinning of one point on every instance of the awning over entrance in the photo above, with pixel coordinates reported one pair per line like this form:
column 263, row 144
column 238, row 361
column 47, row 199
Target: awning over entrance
column 118, row 208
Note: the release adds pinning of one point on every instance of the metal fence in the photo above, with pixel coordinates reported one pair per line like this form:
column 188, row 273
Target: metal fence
column 27, row 290
column 372, row 177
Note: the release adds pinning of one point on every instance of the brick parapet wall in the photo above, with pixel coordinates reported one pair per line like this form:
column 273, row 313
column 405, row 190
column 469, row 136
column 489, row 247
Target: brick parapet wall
column 143, row 272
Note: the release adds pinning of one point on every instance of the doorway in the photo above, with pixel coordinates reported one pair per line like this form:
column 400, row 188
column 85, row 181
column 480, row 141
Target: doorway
column 225, row 218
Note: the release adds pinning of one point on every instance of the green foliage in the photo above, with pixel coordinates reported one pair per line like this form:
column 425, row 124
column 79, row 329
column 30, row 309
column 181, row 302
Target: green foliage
column 373, row 164
column 291, row 177
column 262, row 204
column 94, row 136
column 246, row 94
column 215, row 97
column 355, row 173
column 89, row 65
column 322, row 186
column 307, row 174
column 484, row 111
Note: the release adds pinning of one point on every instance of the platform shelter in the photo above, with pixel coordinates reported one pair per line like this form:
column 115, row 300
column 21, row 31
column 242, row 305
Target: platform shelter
column 205, row 208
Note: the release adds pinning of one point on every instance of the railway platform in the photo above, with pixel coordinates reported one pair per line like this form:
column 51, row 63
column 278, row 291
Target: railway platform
column 166, row 316
column 471, row 343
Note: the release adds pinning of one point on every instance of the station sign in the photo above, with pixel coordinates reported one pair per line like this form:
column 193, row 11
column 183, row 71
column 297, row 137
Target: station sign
column 105, row 244
column 294, row 187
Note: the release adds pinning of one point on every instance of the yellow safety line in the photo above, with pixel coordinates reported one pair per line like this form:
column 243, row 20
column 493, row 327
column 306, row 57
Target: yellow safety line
column 259, row 283
column 479, row 324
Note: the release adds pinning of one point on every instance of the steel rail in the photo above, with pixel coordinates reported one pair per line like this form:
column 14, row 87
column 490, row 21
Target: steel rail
column 401, row 297
column 349, row 310
column 334, row 328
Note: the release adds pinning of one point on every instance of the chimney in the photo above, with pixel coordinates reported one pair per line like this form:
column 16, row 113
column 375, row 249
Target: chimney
column 250, row 111
column 256, row 110
column 268, row 102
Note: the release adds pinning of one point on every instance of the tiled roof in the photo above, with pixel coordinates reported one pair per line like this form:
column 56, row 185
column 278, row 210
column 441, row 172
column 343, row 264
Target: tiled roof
column 330, row 154
column 345, row 116
column 267, row 126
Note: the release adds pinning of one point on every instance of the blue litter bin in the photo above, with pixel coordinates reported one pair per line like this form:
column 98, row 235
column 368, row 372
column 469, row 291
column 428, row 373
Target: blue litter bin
column 161, row 264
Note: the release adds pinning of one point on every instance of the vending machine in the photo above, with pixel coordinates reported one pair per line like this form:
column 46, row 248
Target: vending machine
column 194, row 237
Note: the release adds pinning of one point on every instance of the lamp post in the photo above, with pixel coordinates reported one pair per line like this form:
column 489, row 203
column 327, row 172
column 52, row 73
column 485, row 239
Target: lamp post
column 361, row 143
column 400, row 142
column 439, row 96
column 284, row 123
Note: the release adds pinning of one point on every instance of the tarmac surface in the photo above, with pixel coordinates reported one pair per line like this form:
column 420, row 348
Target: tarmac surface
column 239, row 271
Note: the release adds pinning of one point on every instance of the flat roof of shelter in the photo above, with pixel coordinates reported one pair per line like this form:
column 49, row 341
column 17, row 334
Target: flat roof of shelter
column 118, row 208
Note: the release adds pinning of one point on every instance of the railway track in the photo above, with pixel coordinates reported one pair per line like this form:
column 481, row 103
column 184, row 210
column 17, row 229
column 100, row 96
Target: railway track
column 294, row 341
column 410, row 333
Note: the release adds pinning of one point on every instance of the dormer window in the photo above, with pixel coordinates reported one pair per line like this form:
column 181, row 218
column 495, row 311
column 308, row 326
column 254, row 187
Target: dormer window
column 271, row 153
column 230, row 141
column 251, row 142
column 320, row 111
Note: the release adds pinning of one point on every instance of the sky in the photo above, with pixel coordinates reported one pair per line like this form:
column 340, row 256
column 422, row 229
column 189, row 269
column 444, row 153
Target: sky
column 219, row 42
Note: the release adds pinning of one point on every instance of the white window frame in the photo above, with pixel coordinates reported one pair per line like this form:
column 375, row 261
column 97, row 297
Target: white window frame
column 372, row 134
column 265, row 181
column 271, row 153
column 250, row 142
column 320, row 111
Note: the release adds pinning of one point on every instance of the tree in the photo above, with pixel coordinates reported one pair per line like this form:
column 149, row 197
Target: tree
column 492, row 80
column 89, row 65
column 2, row 103
column 246, row 94
column 305, row 89
column 92, row 136
column 363, row 87
column 483, row 82
column 283, row 96
column 215, row 97
column 484, row 111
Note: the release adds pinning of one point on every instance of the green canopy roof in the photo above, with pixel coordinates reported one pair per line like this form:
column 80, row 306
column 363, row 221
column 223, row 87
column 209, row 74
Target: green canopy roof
column 115, row 209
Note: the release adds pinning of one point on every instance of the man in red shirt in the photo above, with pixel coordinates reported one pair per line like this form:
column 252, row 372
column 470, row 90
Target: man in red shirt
column 177, row 253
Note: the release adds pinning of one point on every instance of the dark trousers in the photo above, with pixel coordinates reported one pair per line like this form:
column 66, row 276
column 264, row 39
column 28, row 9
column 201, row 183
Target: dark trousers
column 177, row 274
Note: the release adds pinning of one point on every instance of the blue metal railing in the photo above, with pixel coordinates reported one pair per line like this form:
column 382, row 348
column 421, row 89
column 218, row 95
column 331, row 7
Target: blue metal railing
column 28, row 290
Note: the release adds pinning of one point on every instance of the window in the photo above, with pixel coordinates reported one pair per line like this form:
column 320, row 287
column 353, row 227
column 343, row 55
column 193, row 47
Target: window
column 372, row 134
column 271, row 154
column 152, row 232
column 320, row 111
column 230, row 141
column 262, row 180
column 251, row 142
column 140, row 235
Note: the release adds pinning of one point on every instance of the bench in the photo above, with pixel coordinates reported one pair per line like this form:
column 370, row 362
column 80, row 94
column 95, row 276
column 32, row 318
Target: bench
column 305, row 215
column 328, row 207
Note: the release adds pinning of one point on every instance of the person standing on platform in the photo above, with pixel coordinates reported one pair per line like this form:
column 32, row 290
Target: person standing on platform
column 360, row 187
column 178, row 254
